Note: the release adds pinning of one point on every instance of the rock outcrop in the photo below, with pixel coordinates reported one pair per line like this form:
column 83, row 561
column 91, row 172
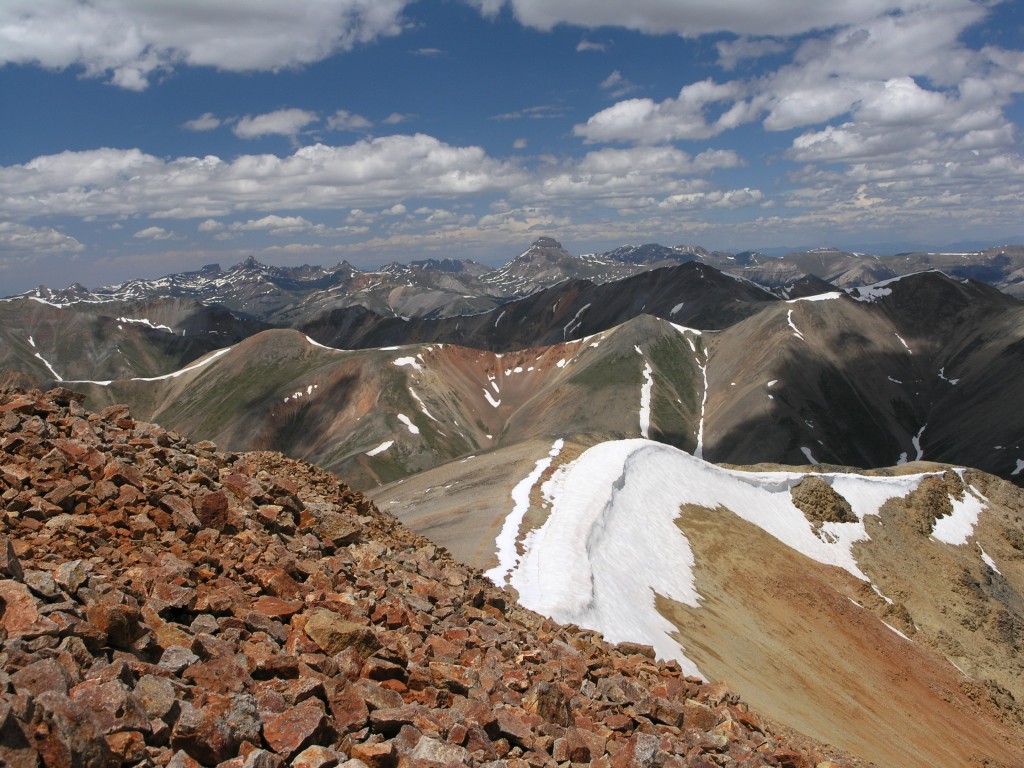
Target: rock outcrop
column 163, row 603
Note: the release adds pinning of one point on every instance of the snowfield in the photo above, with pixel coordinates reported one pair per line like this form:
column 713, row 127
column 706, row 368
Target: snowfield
column 610, row 543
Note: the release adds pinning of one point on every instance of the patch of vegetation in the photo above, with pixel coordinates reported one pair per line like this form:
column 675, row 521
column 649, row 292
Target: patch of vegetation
column 621, row 371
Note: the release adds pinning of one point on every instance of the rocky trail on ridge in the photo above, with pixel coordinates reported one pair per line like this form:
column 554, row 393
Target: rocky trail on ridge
column 164, row 603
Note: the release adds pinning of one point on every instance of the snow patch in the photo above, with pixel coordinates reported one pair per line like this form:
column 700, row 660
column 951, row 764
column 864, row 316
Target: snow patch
column 772, row 383
column 47, row 364
column 942, row 375
column 408, row 423
column 32, row 342
column 505, row 543
column 956, row 527
column 904, row 343
column 796, row 331
column 381, row 448
column 494, row 403
column 988, row 560
column 916, row 440
column 603, row 553
column 831, row 295
column 311, row 341
column 423, row 407
column 408, row 361
column 807, row 453
column 645, row 400
column 1019, row 468
column 698, row 452
column 675, row 310
column 144, row 321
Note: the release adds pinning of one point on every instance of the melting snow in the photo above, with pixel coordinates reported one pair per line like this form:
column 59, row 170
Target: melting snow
column 957, row 527
column 675, row 309
column 772, row 383
column 894, row 381
column 576, row 320
column 904, row 343
column 509, row 534
column 144, row 321
column 916, row 440
column 408, row 422
column 1019, row 468
column 807, row 452
column 381, row 448
column 645, row 398
column 494, row 403
column 499, row 318
column 698, row 452
column 47, row 364
column 32, row 342
column 989, row 561
column 942, row 375
column 408, row 361
column 818, row 297
column 296, row 395
column 890, row 626
column 796, row 331
column 311, row 341
column 422, row 406
column 610, row 535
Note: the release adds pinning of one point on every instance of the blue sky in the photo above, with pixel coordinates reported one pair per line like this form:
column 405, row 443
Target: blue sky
column 140, row 138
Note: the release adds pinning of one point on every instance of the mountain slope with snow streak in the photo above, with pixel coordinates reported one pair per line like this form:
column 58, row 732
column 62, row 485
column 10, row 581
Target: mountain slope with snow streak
column 742, row 575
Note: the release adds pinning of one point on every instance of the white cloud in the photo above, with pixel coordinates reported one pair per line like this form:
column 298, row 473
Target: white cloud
column 617, row 85
column 732, row 52
column 205, row 122
column 284, row 122
column 343, row 120
column 646, row 121
column 395, row 118
column 696, row 17
column 156, row 233
column 591, row 45
column 210, row 225
column 127, row 40
column 22, row 240
column 115, row 182
column 519, row 143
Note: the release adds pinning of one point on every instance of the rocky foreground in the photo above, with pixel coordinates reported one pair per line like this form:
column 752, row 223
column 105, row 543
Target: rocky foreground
column 163, row 603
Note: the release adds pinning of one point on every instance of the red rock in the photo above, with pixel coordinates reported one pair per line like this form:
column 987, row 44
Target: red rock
column 21, row 617
column 127, row 746
column 40, row 676
column 214, row 730
column 115, row 707
column 316, row 756
column 374, row 755
column 277, row 607
column 212, row 508
column 119, row 622
column 295, row 729
column 333, row 634
column 66, row 734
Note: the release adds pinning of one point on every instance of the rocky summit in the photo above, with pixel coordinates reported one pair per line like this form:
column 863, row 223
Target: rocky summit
column 164, row 603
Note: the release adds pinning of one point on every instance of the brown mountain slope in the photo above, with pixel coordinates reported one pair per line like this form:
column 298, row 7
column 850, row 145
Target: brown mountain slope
column 167, row 604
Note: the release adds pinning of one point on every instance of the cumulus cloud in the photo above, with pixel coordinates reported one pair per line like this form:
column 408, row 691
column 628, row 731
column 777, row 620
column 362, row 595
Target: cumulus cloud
column 646, row 121
column 115, row 182
column 591, row 45
column 127, row 41
column 205, row 122
column 284, row 122
column 23, row 240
